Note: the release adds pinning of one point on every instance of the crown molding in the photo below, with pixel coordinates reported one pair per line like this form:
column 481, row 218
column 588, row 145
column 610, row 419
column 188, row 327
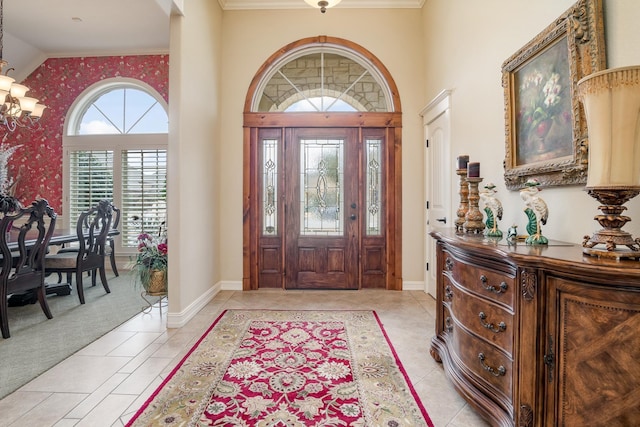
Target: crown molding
column 300, row 4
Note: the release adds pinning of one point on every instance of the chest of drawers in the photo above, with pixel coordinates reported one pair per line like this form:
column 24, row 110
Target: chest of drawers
column 528, row 334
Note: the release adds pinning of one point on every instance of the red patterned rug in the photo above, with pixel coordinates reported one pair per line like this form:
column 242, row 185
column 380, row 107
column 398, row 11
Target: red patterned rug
column 287, row 369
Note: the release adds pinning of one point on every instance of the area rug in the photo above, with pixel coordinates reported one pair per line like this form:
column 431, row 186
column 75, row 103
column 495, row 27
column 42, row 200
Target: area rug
column 38, row 343
column 269, row 368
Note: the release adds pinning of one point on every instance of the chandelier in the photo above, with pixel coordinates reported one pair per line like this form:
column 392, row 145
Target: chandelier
column 17, row 110
column 323, row 5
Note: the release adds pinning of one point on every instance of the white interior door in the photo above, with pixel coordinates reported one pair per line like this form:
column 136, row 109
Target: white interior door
column 438, row 180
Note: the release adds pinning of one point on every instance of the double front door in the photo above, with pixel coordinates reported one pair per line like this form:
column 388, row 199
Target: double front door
column 322, row 216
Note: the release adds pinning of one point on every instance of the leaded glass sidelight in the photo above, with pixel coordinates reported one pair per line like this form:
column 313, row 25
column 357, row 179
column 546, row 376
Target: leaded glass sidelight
column 270, row 187
column 322, row 182
column 374, row 186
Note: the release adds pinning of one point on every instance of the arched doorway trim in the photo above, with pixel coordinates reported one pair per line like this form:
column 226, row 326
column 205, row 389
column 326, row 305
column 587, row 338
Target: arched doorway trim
column 267, row 244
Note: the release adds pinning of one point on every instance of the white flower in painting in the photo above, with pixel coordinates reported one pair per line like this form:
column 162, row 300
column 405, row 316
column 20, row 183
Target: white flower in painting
column 244, row 370
column 551, row 90
column 333, row 370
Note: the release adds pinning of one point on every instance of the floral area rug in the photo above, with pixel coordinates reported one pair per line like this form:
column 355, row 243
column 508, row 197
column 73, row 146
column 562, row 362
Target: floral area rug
column 287, row 369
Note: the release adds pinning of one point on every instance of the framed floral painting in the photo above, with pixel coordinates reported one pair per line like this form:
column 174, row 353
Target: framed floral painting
column 546, row 133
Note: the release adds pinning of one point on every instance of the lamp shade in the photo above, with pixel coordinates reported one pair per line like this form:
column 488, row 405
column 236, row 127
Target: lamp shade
column 27, row 104
column 330, row 3
column 611, row 100
column 38, row 109
column 18, row 90
column 6, row 82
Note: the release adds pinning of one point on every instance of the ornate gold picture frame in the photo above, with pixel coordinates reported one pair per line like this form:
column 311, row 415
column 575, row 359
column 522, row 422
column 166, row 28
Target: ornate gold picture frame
column 546, row 132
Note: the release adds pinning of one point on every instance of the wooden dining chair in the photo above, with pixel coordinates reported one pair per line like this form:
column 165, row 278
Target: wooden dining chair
column 92, row 228
column 23, row 267
column 110, row 249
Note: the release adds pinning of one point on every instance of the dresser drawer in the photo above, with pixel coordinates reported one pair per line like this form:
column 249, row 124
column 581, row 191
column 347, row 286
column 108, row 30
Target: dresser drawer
column 490, row 367
column 481, row 316
column 489, row 283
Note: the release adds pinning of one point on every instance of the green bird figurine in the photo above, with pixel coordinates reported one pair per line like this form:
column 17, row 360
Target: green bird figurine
column 537, row 212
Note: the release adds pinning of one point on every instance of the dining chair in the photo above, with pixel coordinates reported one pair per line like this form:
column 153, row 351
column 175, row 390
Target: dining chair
column 92, row 228
column 23, row 266
column 110, row 249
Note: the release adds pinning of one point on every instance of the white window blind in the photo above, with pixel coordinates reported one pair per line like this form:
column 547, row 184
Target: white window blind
column 90, row 179
column 144, row 193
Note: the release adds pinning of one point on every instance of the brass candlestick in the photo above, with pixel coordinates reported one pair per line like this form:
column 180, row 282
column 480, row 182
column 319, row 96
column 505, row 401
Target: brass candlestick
column 473, row 218
column 464, row 199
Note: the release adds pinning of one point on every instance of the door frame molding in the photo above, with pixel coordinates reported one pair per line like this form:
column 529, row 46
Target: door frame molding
column 439, row 106
column 390, row 121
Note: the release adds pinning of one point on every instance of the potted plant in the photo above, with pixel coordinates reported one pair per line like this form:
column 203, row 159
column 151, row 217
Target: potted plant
column 151, row 264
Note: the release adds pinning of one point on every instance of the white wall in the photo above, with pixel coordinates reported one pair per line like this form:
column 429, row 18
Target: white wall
column 251, row 37
column 465, row 46
column 193, row 197
column 449, row 44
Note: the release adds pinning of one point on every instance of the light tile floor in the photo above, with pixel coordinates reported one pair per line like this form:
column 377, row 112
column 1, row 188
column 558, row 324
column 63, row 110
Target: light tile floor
column 106, row 382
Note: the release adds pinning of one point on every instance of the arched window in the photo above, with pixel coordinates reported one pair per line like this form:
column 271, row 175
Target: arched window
column 118, row 107
column 321, row 79
column 115, row 147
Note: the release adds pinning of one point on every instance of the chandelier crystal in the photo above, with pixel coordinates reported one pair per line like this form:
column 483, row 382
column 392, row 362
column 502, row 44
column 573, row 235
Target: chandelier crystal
column 323, row 5
column 17, row 109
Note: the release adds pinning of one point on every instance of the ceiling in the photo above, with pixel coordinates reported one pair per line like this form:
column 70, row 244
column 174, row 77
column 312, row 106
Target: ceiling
column 38, row 29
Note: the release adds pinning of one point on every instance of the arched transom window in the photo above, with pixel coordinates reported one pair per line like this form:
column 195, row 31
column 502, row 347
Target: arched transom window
column 320, row 79
column 118, row 108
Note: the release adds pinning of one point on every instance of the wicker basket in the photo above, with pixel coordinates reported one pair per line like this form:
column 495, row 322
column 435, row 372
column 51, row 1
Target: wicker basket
column 157, row 283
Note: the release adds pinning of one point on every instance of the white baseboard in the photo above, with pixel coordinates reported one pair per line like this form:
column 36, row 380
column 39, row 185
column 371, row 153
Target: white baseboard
column 178, row 320
column 231, row 285
column 413, row 286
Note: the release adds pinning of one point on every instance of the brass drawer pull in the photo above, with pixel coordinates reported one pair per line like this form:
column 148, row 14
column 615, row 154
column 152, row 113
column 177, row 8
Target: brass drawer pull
column 448, row 264
column 500, row 372
column 501, row 326
column 448, row 325
column 448, row 293
column 498, row 290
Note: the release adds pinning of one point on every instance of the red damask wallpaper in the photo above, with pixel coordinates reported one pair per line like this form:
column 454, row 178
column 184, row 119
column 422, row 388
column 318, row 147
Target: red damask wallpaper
column 37, row 165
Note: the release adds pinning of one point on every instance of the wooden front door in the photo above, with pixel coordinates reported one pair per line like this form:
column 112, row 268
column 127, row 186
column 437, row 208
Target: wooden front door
column 322, row 209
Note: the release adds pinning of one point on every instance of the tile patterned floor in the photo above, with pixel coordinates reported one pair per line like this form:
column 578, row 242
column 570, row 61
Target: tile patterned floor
column 106, row 382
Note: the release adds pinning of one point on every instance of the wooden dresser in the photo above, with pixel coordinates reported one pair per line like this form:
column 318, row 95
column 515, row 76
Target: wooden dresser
column 538, row 336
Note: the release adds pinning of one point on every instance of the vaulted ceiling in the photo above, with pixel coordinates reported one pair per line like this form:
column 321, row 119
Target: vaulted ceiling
column 38, row 29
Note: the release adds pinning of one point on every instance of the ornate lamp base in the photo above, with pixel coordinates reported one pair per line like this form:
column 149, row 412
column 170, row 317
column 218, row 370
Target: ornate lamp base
column 611, row 235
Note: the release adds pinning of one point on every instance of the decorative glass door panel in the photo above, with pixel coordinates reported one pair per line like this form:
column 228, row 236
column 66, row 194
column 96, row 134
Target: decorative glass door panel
column 322, row 215
column 321, row 178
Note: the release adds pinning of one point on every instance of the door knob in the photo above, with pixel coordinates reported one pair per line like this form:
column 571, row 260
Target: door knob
column 353, row 217
column 443, row 220
column 353, row 205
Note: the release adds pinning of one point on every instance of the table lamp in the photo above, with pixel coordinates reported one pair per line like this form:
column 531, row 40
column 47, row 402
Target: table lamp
column 611, row 100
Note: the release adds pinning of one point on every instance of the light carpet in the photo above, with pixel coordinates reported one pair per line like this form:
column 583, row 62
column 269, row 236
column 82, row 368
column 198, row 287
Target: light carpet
column 37, row 343
column 288, row 369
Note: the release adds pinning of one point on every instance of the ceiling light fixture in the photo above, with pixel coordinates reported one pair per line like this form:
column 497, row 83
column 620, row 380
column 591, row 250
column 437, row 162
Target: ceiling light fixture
column 323, row 5
column 17, row 110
